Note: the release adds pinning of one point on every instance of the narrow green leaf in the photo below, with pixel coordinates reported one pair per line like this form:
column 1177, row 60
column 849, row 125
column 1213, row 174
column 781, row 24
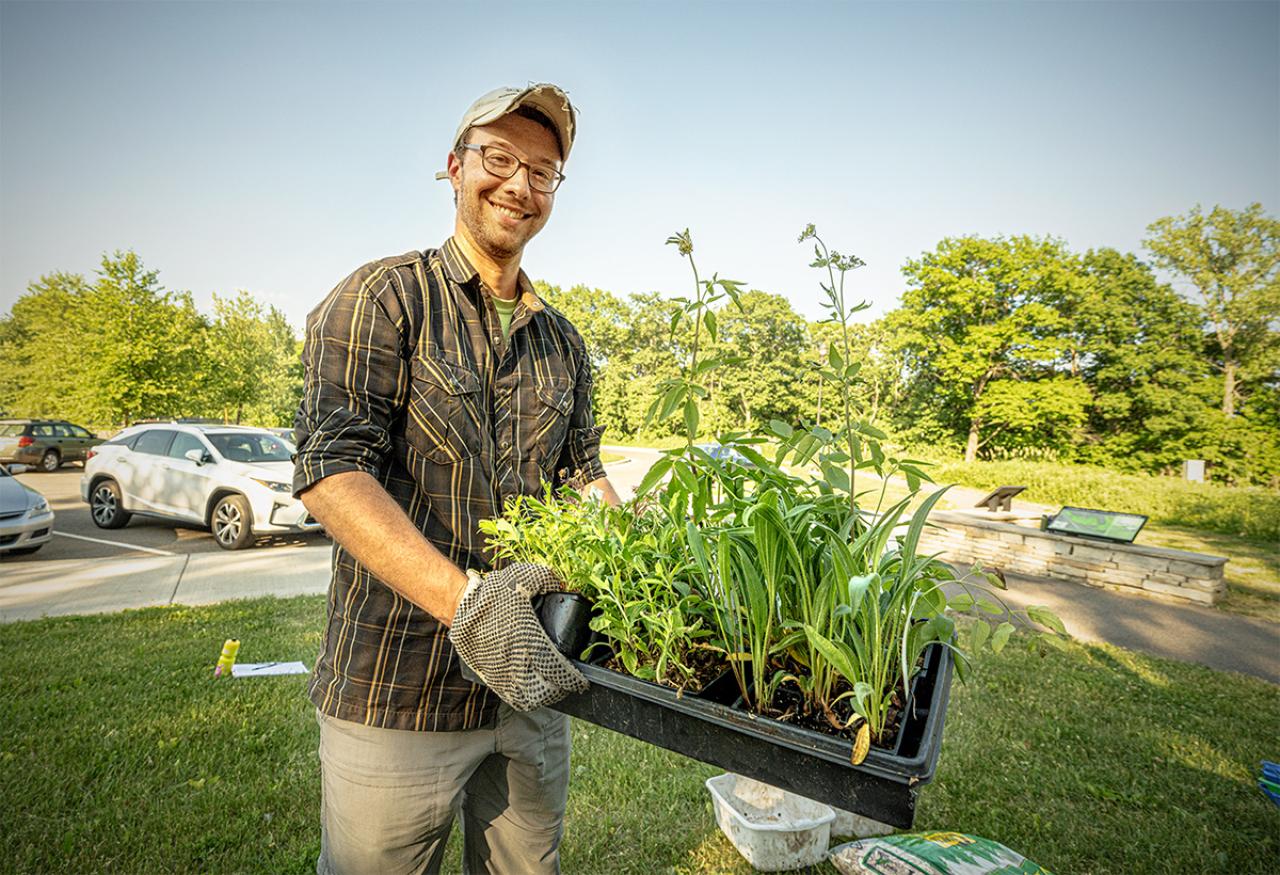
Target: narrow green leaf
column 691, row 419
column 709, row 320
column 655, row 475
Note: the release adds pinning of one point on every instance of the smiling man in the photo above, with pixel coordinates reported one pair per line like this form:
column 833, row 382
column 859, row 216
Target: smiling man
column 437, row 386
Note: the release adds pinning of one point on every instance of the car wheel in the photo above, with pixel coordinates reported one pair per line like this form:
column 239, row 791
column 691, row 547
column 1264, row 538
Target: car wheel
column 232, row 523
column 50, row 461
column 106, row 506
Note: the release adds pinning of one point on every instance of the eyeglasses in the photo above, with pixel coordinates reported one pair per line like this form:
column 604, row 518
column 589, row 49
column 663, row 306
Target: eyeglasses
column 503, row 164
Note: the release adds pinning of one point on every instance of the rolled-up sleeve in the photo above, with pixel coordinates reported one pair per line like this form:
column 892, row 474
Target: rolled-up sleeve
column 355, row 379
column 580, row 459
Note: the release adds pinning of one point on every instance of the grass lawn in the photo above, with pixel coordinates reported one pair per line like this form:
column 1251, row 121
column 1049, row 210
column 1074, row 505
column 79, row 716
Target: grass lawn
column 121, row 753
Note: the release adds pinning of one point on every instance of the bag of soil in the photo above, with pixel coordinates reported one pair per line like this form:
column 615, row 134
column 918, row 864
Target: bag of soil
column 933, row 853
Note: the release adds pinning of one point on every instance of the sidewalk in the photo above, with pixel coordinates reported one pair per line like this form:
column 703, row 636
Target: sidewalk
column 1187, row 633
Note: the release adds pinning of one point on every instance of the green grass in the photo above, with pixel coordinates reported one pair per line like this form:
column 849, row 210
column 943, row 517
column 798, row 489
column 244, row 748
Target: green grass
column 1248, row 512
column 121, row 753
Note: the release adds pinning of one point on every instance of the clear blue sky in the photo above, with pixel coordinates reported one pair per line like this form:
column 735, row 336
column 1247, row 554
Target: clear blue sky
column 275, row 147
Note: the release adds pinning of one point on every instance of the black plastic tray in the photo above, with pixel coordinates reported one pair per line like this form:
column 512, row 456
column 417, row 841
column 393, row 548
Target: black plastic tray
column 883, row 787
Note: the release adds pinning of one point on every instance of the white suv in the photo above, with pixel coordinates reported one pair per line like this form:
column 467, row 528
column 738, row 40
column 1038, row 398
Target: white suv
column 235, row 480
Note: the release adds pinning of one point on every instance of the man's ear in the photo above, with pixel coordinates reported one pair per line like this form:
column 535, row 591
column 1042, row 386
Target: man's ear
column 454, row 168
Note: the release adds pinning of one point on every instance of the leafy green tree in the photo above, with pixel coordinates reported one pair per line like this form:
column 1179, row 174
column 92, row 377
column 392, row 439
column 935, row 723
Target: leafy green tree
column 248, row 347
column 1232, row 258
column 151, row 357
column 42, row 344
column 1139, row 346
column 768, row 340
column 977, row 311
column 1033, row 416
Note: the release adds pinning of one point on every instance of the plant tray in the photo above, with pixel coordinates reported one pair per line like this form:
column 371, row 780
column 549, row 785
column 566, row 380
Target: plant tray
column 883, row 787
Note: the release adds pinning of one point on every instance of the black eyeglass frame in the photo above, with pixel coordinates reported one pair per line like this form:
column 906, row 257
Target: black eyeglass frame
column 478, row 147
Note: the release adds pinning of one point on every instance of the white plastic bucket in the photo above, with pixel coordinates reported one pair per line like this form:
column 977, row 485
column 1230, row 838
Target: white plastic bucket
column 774, row 830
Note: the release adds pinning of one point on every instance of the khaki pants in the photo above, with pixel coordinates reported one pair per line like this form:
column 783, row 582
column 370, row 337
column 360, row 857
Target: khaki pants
column 389, row 796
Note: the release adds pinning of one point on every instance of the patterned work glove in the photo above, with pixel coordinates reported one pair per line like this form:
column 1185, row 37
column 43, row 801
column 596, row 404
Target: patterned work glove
column 499, row 639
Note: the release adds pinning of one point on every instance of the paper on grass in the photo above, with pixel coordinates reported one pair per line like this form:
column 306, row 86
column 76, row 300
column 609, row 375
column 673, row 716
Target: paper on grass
column 255, row 669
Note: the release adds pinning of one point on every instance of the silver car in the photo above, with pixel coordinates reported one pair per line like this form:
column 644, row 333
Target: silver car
column 26, row 522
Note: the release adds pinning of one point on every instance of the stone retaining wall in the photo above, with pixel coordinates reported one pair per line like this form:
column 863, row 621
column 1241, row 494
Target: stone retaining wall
column 1152, row 571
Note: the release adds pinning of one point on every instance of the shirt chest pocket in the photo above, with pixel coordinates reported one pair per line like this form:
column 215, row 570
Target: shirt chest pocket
column 554, row 408
column 445, row 416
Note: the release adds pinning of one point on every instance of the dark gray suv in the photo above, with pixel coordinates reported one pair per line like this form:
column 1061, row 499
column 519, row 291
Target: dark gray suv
column 44, row 443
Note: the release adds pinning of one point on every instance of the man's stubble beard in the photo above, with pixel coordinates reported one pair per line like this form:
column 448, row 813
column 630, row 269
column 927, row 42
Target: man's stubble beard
column 474, row 220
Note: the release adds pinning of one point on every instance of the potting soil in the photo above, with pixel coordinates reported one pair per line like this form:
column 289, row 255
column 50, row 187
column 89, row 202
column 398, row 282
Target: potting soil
column 934, row 853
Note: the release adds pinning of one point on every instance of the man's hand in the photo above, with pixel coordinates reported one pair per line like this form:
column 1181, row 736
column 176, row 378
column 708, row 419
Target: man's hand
column 499, row 638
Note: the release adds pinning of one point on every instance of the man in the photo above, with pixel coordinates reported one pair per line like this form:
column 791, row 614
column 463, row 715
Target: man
column 438, row 385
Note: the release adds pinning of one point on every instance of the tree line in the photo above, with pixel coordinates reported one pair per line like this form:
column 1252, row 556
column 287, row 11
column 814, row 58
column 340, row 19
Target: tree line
column 122, row 348
column 1005, row 347
column 1001, row 347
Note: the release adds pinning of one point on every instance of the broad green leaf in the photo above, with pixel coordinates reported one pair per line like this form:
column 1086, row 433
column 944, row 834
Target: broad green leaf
column 780, row 428
column 1001, row 636
column 858, row 587
column 978, row 635
column 1053, row 641
column 1046, row 617
column 961, row 602
column 990, row 607
column 838, row 477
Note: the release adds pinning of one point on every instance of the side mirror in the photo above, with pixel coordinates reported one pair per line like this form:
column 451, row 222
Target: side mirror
column 197, row 456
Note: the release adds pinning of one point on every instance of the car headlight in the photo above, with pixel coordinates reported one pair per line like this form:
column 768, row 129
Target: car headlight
column 273, row 485
column 41, row 506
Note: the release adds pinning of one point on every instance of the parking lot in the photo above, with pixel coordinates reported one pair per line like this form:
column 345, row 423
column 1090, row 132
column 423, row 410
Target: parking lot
column 85, row 569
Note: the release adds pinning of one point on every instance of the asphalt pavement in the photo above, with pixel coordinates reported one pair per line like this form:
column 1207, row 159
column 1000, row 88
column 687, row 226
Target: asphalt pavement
column 150, row 562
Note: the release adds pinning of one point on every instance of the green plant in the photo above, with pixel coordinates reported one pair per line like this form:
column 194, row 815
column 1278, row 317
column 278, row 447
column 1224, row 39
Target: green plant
column 626, row 564
column 793, row 586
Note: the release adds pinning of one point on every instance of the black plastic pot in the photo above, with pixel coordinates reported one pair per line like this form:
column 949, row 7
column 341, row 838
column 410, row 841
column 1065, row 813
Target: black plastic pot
column 882, row 787
column 565, row 616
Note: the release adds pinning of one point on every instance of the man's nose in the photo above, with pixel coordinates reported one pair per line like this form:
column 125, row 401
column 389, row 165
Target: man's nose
column 518, row 183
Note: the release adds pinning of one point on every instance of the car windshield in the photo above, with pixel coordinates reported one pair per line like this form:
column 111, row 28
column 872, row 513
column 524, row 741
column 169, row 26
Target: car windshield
column 251, row 446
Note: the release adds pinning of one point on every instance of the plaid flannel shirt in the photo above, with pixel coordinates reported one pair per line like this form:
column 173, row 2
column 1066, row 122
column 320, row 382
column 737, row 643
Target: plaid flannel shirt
column 408, row 378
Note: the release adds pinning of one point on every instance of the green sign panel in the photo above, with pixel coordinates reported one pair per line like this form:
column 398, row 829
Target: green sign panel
column 1105, row 524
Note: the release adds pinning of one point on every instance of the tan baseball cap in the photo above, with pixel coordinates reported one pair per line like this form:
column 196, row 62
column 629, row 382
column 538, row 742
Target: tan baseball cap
column 546, row 98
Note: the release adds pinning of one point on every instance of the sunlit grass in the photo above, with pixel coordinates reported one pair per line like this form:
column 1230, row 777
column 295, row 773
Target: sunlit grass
column 121, row 753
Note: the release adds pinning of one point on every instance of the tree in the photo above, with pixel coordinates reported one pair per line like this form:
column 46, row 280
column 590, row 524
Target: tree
column 1033, row 415
column 1139, row 346
column 976, row 311
column 246, row 353
column 1233, row 260
column 149, row 346
column 43, row 344
column 768, row 338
